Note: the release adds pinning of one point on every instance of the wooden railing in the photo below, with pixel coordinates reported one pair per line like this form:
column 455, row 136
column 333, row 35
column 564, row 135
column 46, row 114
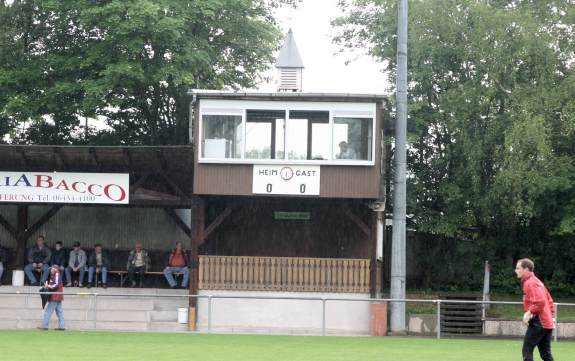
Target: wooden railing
column 284, row 274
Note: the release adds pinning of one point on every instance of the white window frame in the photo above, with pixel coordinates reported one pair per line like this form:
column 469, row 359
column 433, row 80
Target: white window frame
column 240, row 107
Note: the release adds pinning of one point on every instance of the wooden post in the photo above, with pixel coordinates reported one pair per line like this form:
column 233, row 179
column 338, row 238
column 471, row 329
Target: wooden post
column 198, row 225
column 22, row 236
column 373, row 251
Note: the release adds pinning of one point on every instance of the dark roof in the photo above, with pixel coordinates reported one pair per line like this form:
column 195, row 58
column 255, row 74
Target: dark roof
column 288, row 96
column 153, row 163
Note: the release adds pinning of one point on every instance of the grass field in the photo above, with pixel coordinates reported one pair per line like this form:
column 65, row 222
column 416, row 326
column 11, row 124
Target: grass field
column 107, row 346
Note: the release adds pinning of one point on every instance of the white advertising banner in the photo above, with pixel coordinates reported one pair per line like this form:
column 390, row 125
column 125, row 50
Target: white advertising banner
column 53, row 187
column 286, row 179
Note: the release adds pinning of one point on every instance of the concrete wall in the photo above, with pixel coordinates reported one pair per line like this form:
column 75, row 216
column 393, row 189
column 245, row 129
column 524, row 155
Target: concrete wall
column 107, row 313
column 427, row 325
column 422, row 324
column 516, row 328
column 285, row 316
column 144, row 313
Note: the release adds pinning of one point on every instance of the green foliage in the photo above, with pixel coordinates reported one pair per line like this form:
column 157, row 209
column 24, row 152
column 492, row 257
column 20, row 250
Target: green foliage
column 492, row 147
column 129, row 62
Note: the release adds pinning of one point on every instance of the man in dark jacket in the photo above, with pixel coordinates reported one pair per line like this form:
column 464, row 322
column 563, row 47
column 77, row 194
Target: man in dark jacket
column 98, row 262
column 38, row 260
column 58, row 257
column 3, row 261
column 55, row 301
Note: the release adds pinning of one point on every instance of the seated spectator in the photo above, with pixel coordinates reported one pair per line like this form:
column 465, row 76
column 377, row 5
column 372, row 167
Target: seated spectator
column 177, row 263
column 3, row 260
column 58, row 257
column 346, row 152
column 76, row 264
column 138, row 262
column 38, row 260
column 99, row 262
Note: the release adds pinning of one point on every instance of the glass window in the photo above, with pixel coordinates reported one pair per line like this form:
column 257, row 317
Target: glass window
column 264, row 134
column 352, row 138
column 308, row 135
column 222, row 136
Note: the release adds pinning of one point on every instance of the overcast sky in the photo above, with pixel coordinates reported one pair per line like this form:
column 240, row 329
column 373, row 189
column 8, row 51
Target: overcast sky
column 323, row 71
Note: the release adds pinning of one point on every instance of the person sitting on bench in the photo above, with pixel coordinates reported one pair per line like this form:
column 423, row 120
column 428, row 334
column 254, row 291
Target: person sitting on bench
column 138, row 262
column 76, row 264
column 58, row 257
column 177, row 263
column 99, row 262
column 38, row 260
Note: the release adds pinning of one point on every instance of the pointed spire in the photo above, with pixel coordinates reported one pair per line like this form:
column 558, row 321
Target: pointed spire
column 289, row 55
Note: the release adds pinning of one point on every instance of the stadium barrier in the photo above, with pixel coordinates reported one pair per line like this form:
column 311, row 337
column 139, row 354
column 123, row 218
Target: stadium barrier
column 323, row 301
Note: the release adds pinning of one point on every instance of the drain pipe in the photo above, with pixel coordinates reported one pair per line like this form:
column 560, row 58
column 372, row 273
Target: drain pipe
column 191, row 120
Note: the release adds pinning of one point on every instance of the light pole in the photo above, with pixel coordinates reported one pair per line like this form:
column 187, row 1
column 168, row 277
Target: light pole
column 399, row 179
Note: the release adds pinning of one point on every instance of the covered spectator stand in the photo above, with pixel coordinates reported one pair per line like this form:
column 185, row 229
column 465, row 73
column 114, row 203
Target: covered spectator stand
column 159, row 178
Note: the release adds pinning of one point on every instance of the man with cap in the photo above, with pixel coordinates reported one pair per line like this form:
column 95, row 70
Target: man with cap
column 76, row 264
column 54, row 284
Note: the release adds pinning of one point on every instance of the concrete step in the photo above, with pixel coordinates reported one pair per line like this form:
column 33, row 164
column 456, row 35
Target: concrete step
column 70, row 325
column 123, row 316
column 13, row 301
column 168, row 327
column 170, row 304
column 84, row 303
column 122, row 326
column 164, row 316
column 133, row 304
column 8, row 324
column 37, row 314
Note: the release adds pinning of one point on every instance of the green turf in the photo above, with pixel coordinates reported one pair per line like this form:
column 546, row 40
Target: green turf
column 106, row 346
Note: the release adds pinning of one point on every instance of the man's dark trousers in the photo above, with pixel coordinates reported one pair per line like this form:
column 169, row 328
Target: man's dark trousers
column 141, row 271
column 537, row 336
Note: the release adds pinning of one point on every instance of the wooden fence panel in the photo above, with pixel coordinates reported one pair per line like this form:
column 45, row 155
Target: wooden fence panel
column 295, row 274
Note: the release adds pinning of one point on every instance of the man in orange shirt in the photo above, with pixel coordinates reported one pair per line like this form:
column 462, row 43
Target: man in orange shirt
column 177, row 263
column 539, row 312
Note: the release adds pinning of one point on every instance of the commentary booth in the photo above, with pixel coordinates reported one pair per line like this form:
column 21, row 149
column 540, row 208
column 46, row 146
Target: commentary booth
column 286, row 185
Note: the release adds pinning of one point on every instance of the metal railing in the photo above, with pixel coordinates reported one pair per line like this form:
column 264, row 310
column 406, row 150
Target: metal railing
column 323, row 300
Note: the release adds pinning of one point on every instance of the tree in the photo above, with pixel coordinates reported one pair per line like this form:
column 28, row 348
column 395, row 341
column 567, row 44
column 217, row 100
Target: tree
column 128, row 62
column 491, row 117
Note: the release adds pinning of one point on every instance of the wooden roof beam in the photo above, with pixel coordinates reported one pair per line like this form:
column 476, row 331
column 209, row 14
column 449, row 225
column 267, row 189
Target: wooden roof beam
column 58, row 158
column 179, row 222
column 95, row 158
column 8, row 226
column 216, row 223
column 358, row 222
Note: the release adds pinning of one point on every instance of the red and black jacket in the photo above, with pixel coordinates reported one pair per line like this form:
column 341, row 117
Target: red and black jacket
column 537, row 299
column 55, row 284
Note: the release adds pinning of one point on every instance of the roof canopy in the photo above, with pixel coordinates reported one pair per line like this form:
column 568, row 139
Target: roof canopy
column 159, row 175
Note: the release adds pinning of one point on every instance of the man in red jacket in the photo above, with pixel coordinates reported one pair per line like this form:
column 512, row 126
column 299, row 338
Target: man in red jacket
column 54, row 284
column 539, row 312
